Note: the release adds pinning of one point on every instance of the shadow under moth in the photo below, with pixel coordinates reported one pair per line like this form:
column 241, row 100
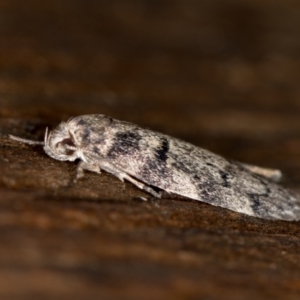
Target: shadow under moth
column 156, row 162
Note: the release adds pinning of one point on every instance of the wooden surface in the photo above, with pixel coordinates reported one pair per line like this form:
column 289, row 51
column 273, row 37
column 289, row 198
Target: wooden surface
column 221, row 74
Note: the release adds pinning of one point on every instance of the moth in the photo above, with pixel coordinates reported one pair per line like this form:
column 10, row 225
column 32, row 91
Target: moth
column 156, row 162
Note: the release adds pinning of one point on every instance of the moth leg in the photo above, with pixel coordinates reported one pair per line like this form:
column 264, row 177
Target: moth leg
column 122, row 175
column 271, row 174
column 85, row 166
column 143, row 186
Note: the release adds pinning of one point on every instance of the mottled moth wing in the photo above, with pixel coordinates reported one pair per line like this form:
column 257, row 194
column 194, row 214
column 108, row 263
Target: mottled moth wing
column 181, row 168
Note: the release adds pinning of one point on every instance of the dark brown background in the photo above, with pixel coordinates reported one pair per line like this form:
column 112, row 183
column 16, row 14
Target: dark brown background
column 221, row 74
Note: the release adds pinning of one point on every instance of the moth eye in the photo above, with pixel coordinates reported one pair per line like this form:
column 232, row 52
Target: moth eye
column 65, row 146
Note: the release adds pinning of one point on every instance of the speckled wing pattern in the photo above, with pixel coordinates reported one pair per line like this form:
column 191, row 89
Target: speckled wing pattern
column 178, row 167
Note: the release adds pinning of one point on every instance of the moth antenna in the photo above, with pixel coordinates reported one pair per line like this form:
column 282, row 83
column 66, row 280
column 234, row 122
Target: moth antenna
column 25, row 141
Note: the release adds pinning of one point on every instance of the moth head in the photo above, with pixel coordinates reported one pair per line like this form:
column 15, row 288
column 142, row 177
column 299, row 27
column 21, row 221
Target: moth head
column 60, row 144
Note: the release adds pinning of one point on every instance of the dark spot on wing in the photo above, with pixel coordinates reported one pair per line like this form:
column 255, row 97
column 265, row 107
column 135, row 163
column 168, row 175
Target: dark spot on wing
column 255, row 203
column 86, row 135
column 162, row 152
column 183, row 166
column 264, row 183
column 211, row 165
column 207, row 187
column 81, row 122
column 128, row 139
column 224, row 176
column 96, row 150
column 196, row 177
column 125, row 143
column 258, row 200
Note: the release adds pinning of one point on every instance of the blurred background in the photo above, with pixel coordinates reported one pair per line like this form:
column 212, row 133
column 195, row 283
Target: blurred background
column 221, row 74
